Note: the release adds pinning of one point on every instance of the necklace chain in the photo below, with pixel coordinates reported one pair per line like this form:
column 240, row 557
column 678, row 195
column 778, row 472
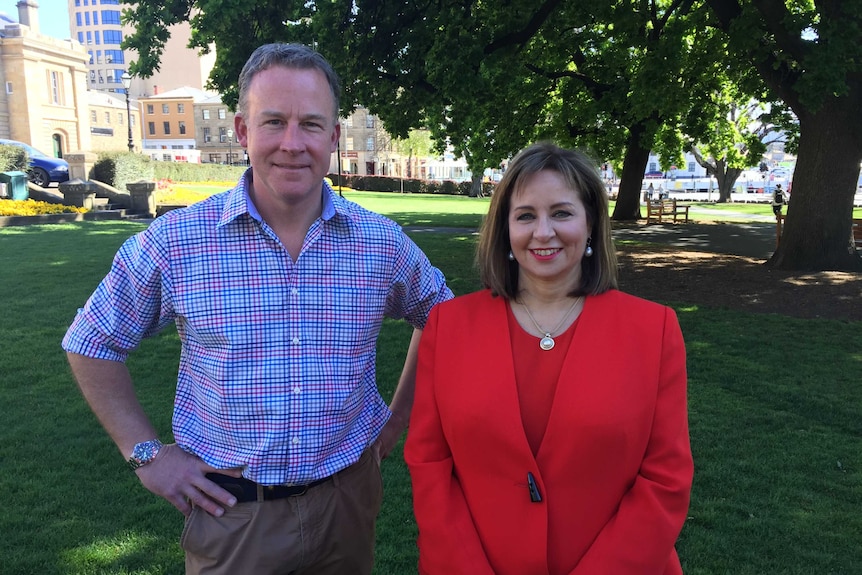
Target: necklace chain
column 547, row 342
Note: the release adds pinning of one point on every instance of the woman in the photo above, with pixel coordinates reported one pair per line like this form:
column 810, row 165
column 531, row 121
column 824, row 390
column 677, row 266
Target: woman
column 549, row 433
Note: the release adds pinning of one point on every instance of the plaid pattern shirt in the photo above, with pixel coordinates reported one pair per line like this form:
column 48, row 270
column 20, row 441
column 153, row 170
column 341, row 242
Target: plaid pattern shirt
column 277, row 368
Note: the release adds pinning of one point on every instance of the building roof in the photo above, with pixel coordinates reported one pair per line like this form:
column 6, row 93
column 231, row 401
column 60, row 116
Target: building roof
column 183, row 92
column 106, row 99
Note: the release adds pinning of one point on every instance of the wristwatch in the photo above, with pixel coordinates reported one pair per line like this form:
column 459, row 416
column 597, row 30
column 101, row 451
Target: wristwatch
column 144, row 453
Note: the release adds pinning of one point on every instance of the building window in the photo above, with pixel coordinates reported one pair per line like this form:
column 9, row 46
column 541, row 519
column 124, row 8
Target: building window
column 95, row 18
column 206, row 114
column 167, row 126
column 222, row 114
column 96, row 35
column 151, row 128
column 182, row 127
column 349, row 143
column 81, row 38
column 55, row 87
column 222, row 135
column 107, row 117
column 207, row 136
column 120, row 118
column 150, row 109
column 89, row 37
column 86, row 18
column 110, row 16
column 369, row 144
column 166, row 109
column 181, row 108
column 93, row 117
column 111, row 37
column 369, row 122
column 348, row 122
column 215, row 158
column 98, row 56
column 78, row 19
column 132, row 120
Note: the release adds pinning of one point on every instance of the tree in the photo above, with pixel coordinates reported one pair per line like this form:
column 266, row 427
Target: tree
column 809, row 54
column 487, row 78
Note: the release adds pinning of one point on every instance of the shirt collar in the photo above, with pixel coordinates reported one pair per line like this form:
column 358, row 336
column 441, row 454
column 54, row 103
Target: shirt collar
column 238, row 202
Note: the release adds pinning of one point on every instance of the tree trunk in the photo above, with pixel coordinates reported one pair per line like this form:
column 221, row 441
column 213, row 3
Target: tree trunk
column 817, row 231
column 476, row 187
column 628, row 206
column 725, row 177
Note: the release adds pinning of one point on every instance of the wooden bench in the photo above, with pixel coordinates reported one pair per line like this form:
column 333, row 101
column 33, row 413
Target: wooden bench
column 856, row 227
column 663, row 210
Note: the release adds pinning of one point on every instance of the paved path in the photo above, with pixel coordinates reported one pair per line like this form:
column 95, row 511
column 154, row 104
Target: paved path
column 754, row 239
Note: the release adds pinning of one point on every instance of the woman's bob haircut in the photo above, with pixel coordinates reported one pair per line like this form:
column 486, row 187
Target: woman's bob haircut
column 598, row 272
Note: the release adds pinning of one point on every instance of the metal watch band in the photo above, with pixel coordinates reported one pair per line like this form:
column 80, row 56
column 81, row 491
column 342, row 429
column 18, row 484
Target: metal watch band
column 144, row 453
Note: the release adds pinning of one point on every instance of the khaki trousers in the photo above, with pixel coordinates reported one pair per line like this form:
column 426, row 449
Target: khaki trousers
column 327, row 531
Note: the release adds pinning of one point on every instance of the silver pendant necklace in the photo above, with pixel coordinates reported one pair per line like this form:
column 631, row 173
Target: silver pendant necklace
column 547, row 342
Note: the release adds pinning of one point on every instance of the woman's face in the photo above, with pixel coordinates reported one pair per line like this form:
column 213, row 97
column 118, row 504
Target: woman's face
column 548, row 232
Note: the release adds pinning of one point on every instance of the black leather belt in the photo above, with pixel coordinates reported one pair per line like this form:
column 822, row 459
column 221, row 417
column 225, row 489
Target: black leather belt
column 245, row 490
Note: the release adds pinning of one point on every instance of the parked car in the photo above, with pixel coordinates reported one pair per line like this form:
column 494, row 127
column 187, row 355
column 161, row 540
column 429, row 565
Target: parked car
column 44, row 169
column 654, row 174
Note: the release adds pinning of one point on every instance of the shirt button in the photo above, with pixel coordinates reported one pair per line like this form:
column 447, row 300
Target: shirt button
column 295, row 340
column 294, row 291
column 296, row 389
column 296, row 441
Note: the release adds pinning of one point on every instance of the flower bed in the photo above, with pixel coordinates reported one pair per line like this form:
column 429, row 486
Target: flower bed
column 36, row 208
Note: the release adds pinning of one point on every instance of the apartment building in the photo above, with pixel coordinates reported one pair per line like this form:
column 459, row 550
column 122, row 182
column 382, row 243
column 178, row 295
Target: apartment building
column 215, row 133
column 96, row 25
column 168, row 121
column 43, row 86
column 112, row 123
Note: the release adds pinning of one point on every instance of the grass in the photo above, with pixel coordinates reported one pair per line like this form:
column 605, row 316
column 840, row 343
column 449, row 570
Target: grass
column 775, row 426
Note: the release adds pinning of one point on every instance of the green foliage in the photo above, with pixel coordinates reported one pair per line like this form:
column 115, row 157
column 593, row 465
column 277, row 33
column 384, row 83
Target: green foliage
column 13, row 158
column 120, row 168
column 185, row 172
column 408, row 185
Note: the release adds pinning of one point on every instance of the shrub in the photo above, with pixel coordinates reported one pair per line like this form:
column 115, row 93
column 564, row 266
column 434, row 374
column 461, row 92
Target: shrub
column 120, row 168
column 13, row 158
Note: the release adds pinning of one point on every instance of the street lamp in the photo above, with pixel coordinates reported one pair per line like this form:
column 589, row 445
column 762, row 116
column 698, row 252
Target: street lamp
column 127, row 83
column 229, row 147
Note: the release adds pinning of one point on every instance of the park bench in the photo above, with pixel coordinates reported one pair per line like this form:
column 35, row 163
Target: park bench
column 856, row 227
column 664, row 210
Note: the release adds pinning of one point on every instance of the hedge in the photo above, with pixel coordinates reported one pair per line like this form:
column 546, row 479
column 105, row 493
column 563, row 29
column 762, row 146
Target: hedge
column 410, row 185
column 119, row 168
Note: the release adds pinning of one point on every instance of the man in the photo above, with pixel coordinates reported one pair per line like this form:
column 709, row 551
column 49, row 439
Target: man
column 777, row 200
column 278, row 288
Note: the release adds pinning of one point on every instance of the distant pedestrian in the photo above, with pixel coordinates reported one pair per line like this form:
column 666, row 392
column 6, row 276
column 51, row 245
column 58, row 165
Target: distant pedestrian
column 777, row 200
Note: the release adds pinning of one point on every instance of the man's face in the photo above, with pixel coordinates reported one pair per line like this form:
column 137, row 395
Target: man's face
column 290, row 131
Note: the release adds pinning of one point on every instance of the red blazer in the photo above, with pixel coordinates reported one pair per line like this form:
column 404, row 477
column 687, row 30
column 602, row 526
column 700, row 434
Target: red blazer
column 614, row 468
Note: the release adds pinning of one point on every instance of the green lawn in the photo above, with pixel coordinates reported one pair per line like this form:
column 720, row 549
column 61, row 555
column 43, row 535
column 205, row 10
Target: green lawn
column 774, row 407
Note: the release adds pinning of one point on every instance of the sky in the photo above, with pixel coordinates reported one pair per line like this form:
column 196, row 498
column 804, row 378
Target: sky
column 53, row 16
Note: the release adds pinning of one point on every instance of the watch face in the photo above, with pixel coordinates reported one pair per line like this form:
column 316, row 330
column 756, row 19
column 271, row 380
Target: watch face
column 144, row 453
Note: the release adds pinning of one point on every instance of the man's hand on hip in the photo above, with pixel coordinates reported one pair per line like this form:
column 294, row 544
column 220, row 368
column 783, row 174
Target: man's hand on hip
column 180, row 478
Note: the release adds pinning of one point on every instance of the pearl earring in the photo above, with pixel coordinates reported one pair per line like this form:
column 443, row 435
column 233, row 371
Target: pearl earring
column 511, row 256
column 589, row 251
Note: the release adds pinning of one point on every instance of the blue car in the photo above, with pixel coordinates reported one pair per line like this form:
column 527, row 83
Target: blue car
column 44, row 169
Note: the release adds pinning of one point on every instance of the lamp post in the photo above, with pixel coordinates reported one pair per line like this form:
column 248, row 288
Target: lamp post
column 127, row 83
column 229, row 147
